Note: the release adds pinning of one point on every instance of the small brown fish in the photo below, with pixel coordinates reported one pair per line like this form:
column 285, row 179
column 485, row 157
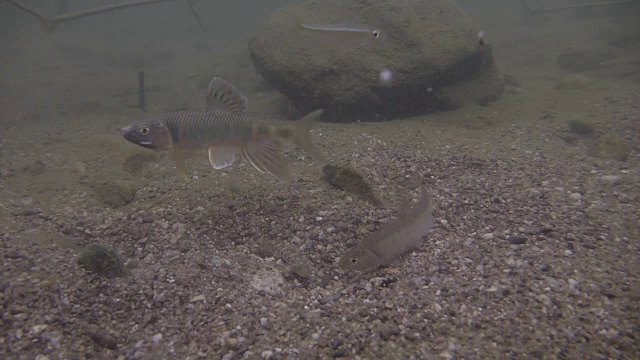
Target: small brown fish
column 392, row 239
column 227, row 132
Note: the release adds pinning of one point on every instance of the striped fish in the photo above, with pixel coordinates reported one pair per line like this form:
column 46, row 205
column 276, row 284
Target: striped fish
column 227, row 132
column 393, row 239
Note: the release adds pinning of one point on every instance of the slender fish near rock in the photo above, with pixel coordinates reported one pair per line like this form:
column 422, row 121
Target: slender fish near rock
column 227, row 132
column 393, row 239
column 348, row 35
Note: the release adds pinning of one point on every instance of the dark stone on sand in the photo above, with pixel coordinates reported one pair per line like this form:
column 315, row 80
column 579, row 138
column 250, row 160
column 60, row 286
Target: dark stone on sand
column 35, row 168
column 388, row 331
column 517, row 240
column 115, row 193
column 102, row 260
column 579, row 60
column 545, row 268
column 102, row 339
column 581, row 127
column 431, row 49
column 336, row 344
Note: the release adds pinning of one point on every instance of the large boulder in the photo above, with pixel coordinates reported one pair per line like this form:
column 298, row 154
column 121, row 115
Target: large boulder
column 431, row 49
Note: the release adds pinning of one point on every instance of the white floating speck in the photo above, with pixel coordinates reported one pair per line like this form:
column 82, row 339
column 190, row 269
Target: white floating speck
column 386, row 76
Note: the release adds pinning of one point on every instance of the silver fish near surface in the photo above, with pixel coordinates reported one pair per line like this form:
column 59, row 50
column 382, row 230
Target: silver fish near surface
column 227, row 132
column 349, row 35
column 393, row 239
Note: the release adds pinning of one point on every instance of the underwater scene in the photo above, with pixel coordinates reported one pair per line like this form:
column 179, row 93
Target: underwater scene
column 319, row 179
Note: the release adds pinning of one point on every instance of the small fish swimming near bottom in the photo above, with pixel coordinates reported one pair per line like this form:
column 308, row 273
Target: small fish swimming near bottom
column 393, row 239
column 227, row 132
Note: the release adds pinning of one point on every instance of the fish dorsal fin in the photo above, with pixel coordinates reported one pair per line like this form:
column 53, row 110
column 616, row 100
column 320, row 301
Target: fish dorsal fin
column 222, row 95
column 221, row 157
column 264, row 155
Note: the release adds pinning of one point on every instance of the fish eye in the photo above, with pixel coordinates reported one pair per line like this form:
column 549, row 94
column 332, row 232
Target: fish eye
column 375, row 33
column 144, row 130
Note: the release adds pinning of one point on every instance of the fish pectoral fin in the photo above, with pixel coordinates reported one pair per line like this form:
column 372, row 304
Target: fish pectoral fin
column 265, row 155
column 222, row 95
column 221, row 157
column 181, row 168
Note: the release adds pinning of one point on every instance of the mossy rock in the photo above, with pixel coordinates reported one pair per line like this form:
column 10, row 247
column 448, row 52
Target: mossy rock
column 346, row 179
column 613, row 147
column 102, row 260
column 581, row 127
column 115, row 193
column 136, row 162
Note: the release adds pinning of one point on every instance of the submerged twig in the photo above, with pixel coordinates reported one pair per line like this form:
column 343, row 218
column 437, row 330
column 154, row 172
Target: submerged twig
column 191, row 3
column 25, row 8
column 142, row 96
column 50, row 24
column 104, row 9
column 542, row 9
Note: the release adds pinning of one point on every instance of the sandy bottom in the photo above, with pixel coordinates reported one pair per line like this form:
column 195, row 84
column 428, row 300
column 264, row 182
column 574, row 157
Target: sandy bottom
column 534, row 252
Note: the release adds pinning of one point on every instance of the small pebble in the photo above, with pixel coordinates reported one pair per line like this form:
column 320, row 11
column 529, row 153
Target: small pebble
column 198, row 298
column 575, row 196
column 266, row 354
column 517, row 240
column 156, row 338
column 610, row 179
column 488, row 236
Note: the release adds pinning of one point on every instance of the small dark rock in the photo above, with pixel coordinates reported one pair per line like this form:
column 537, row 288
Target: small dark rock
column 388, row 331
column 517, row 240
column 336, row 344
column 387, row 281
column 342, row 352
column 545, row 231
column 545, row 267
column 185, row 246
column 103, row 339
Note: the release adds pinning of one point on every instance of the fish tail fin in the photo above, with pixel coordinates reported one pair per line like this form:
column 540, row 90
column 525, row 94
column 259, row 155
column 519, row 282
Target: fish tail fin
column 302, row 136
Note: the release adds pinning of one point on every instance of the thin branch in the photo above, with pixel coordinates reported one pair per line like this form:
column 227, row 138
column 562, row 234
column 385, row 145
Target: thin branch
column 572, row 7
column 103, row 9
column 20, row 5
column 50, row 24
column 191, row 3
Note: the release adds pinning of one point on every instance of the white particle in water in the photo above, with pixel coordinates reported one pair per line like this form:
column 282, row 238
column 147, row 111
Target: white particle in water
column 386, row 76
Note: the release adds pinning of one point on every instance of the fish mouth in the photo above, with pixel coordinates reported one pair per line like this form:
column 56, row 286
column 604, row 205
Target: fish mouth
column 145, row 143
